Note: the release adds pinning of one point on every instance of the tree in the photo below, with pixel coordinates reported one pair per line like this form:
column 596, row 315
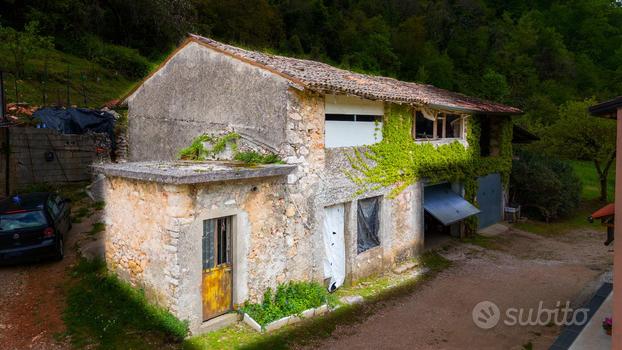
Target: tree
column 577, row 135
column 24, row 44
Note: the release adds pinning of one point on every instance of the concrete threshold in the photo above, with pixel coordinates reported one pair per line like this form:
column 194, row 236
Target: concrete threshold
column 217, row 323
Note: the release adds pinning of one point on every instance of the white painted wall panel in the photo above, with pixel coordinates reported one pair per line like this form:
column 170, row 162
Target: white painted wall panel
column 348, row 134
column 341, row 104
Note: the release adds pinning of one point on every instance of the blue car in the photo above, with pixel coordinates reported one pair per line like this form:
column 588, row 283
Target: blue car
column 33, row 226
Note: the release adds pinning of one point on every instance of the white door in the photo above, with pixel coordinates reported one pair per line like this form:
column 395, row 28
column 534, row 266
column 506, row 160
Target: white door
column 334, row 246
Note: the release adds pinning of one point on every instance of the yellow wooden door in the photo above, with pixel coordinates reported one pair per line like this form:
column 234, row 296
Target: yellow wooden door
column 217, row 267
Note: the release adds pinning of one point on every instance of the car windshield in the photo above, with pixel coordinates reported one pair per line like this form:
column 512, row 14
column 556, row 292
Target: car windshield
column 22, row 220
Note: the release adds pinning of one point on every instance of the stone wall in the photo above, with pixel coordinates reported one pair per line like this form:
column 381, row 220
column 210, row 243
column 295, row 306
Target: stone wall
column 199, row 91
column 154, row 232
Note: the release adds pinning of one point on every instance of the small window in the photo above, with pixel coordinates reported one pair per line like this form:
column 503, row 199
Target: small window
column 368, row 224
column 424, row 127
column 348, row 130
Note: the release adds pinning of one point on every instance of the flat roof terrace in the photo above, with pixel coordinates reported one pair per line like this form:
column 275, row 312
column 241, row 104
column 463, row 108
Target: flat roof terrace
column 191, row 172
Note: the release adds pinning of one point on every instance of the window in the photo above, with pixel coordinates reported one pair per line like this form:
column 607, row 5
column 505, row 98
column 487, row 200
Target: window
column 347, row 130
column 368, row 224
column 216, row 242
column 453, row 126
column 22, row 220
column 54, row 208
column 424, row 127
column 439, row 126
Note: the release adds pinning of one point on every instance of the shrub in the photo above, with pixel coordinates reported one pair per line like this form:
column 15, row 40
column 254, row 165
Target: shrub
column 251, row 157
column 545, row 187
column 290, row 299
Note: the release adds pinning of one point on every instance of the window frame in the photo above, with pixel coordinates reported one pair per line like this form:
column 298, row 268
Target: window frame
column 440, row 121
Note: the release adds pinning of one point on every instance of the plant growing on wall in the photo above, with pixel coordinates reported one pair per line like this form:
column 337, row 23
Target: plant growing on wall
column 197, row 150
column 397, row 161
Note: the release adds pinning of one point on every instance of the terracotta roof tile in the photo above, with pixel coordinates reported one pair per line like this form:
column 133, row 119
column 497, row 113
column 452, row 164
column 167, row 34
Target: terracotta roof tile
column 324, row 78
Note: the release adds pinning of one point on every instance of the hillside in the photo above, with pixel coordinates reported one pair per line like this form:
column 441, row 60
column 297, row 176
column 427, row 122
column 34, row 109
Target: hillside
column 83, row 77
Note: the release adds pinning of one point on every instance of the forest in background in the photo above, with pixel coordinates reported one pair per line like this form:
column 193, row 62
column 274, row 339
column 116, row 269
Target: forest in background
column 533, row 54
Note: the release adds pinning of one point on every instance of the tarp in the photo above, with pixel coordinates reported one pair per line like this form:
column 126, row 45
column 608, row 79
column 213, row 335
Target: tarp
column 334, row 246
column 447, row 206
column 77, row 121
column 368, row 223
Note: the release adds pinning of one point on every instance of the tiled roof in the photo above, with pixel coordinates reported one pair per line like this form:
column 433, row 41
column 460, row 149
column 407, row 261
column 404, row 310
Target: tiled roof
column 324, row 78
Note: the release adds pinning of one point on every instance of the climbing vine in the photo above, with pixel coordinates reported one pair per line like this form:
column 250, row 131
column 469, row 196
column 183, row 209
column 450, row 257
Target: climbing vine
column 399, row 162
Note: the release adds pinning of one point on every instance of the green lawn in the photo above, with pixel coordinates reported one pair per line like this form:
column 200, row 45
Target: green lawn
column 591, row 187
column 101, row 84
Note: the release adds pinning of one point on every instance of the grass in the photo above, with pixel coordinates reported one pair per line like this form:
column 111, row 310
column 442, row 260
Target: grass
column 308, row 331
column 589, row 178
column 561, row 226
column 482, row 241
column 97, row 228
column 101, row 84
column 104, row 312
column 589, row 203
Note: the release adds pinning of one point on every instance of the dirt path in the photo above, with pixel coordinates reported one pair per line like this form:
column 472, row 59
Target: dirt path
column 523, row 270
column 33, row 299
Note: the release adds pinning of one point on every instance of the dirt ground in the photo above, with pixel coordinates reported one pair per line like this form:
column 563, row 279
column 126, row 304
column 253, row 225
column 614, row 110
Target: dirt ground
column 33, row 298
column 522, row 270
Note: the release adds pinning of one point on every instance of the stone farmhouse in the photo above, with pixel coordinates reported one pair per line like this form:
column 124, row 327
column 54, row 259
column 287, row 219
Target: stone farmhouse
column 203, row 237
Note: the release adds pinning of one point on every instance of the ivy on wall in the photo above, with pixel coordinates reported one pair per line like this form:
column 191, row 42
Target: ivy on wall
column 397, row 161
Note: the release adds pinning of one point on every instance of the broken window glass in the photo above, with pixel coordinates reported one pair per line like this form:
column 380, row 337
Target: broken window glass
column 368, row 223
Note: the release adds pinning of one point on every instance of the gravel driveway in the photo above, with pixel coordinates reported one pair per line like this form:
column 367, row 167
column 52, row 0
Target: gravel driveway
column 520, row 272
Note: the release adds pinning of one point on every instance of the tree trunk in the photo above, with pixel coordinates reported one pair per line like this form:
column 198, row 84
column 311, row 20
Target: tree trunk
column 603, row 189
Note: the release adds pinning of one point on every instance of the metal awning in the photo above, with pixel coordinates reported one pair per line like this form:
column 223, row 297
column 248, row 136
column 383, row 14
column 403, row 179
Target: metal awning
column 447, row 206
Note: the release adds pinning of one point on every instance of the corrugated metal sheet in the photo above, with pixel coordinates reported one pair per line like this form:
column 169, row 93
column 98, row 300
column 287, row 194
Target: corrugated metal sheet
column 447, row 206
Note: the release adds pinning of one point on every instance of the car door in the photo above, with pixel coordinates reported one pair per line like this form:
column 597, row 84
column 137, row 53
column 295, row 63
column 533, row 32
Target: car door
column 54, row 212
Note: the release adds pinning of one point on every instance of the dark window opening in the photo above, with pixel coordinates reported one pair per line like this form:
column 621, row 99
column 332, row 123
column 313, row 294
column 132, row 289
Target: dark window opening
column 484, row 137
column 216, row 242
column 368, row 224
column 424, row 127
column 353, row 118
column 453, row 126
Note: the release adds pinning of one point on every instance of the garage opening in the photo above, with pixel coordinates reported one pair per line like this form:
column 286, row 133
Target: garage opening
column 445, row 211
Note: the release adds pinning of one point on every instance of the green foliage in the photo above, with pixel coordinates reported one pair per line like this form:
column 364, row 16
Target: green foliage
column 251, row 157
column 196, row 150
column 106, row 312
column 122, row 59
column 397, row 161
column 544, row 186
column 290, row 299
column 577, row 135
column 23, row 44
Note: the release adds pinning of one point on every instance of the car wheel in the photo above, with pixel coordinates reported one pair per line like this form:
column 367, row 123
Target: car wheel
column 60, row 249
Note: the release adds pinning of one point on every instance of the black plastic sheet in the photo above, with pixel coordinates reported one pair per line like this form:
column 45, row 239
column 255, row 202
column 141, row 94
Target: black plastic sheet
column 368, row 223
column 77, row 121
